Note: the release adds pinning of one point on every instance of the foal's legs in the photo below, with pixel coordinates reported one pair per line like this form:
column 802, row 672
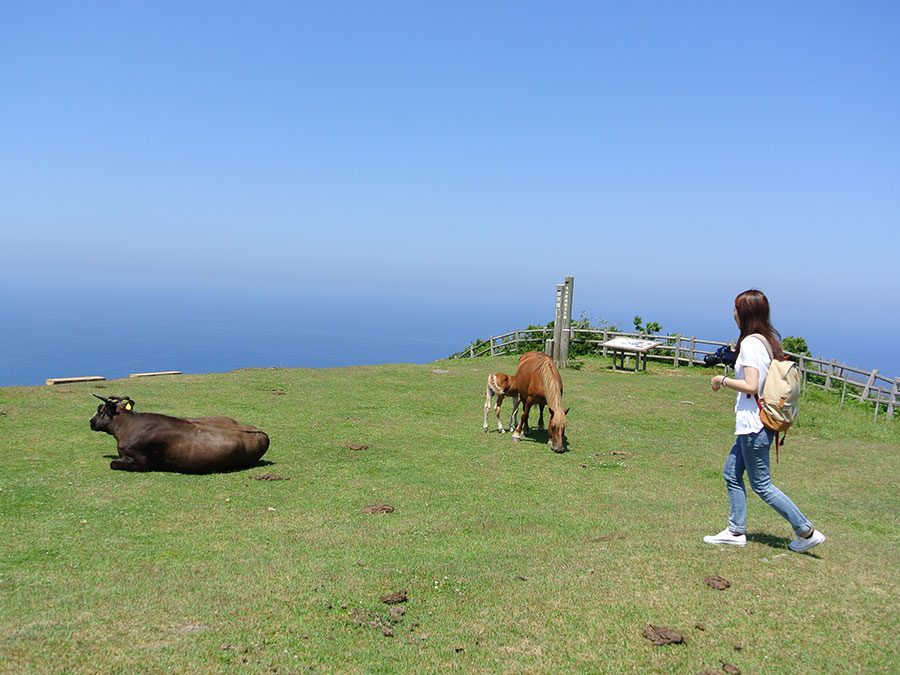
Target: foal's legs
column 523, row 422
column 512, row 416
column 488, row 397
column 500, row 398
column 489, row 394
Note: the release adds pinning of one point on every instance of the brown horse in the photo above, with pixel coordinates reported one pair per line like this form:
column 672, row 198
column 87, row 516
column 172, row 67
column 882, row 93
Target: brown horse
column 538, row 382
column 500, row 385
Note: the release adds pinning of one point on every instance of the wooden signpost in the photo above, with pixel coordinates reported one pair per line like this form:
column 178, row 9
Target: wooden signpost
column 558, row 349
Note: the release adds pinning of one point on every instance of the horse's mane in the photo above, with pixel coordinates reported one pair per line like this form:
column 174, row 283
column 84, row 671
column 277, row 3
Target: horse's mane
column 552, row 392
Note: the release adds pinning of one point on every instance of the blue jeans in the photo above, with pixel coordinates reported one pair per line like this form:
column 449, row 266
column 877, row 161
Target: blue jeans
column 750, row 454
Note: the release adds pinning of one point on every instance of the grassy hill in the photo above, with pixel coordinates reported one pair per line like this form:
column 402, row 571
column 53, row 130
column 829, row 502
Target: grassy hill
column 512, row 557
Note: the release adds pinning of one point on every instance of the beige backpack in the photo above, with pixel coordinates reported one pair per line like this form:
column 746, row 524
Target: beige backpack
column 780, row 395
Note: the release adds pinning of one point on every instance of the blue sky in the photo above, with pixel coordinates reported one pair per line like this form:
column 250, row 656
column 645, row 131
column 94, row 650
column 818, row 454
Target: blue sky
column 467, row 152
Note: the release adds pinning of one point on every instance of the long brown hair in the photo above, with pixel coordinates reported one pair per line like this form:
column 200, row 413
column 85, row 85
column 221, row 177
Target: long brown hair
column 753, row 317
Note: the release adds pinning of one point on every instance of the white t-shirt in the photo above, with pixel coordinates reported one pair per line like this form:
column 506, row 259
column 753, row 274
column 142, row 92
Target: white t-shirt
column 746, row 407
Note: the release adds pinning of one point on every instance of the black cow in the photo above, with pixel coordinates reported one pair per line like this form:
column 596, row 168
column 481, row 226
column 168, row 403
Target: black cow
column 152, row 442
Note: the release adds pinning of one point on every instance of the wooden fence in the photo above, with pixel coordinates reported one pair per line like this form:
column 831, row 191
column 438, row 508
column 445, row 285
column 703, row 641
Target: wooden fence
column 869, row 387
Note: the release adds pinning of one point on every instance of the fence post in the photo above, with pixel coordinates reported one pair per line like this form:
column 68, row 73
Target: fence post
column 605, row 339
column 677, row 350
column 830, row 373
column 471, row 351
column 517, row 339
column 893, row 401
column 693, row 354
column 843, row 393
column 803, row 374
column 869, row 384
column 492, row 345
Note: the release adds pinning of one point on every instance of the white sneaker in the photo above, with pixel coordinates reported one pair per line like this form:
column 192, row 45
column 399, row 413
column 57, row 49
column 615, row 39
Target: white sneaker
column 801, row 544
column 726, row 536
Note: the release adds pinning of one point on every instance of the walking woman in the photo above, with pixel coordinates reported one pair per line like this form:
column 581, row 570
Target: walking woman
column 750, row 453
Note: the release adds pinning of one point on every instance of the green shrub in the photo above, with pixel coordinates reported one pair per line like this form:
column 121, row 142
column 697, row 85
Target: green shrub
column 795, row 345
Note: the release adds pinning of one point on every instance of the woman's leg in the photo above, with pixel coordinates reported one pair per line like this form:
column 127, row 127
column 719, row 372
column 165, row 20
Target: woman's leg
column 755, row 453
column 737, row 495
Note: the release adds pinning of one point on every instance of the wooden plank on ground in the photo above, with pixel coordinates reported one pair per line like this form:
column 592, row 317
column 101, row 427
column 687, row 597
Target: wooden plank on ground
column 162, row 372
column 68, row 380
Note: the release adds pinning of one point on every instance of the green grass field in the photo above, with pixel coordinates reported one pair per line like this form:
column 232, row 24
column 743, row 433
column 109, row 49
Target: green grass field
column 513, row 558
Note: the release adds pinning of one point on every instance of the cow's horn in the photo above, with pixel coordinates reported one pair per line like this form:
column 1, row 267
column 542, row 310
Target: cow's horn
column 105, row 400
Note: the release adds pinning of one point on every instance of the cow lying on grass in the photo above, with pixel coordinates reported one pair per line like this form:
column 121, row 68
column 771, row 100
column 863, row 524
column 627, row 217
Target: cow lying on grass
column 152, row 442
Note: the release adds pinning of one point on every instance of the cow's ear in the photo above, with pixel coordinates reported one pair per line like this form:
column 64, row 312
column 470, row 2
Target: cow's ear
column 129, row 405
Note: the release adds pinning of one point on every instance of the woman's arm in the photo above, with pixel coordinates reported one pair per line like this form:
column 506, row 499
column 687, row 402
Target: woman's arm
column 749, row 385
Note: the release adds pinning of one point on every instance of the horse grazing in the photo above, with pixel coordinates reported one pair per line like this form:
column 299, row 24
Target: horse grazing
column 500, row 385
column 538, row 382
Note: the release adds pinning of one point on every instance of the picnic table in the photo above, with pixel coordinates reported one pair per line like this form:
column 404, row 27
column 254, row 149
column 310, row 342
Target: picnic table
column 622, row 347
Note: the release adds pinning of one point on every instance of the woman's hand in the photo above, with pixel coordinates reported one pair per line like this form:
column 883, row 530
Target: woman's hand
column 748, row 385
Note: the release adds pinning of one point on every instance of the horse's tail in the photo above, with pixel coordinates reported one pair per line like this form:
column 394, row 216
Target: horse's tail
column 551, row 381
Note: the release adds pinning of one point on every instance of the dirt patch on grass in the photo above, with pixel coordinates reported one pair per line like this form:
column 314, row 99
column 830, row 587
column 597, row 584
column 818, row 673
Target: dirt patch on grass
column 383, row 623
column 717, row 582
column 394, row 598
column 357, row 446
column 378, row 508
column 269, row 476
column 606, row 537
column 374, row 620
column 661, row 635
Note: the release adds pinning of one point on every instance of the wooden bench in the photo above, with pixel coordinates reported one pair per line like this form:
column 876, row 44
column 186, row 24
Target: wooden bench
column 68, row 380
column 622, row 346
column 163, row 372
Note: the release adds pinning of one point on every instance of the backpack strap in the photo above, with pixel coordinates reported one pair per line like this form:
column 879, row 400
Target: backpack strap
column 765, row 341
column 762, row 338
column 768, row 347
column 783, row 433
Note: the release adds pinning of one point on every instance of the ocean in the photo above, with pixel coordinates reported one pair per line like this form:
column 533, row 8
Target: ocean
column 112, row 330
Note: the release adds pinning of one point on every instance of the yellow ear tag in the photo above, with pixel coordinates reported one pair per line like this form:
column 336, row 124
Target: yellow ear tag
column 127, row 406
